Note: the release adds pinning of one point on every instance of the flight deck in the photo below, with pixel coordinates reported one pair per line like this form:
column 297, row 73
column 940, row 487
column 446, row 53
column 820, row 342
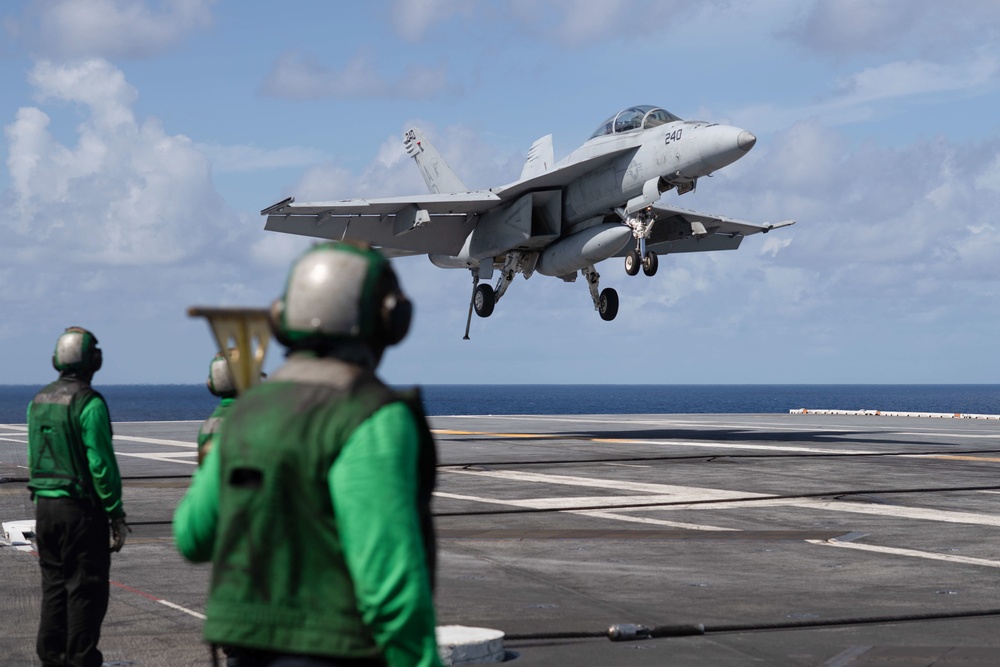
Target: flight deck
column 843, row 540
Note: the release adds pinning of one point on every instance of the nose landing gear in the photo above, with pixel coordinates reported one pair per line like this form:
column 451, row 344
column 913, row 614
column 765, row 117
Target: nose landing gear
column 650, row 263
column 632, row 262
column 641, row 224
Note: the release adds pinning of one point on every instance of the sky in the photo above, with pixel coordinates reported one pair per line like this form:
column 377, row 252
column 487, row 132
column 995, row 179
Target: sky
column 141, row 139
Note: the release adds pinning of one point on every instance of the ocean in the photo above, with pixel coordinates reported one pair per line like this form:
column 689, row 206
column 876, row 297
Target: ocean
column 173, row 402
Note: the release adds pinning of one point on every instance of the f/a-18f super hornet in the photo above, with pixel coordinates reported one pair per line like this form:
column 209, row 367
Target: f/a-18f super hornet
column 557, row 219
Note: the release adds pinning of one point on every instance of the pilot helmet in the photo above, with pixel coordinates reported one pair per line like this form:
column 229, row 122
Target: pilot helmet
column 339, row 294
column 77, row 352
column 220, row 379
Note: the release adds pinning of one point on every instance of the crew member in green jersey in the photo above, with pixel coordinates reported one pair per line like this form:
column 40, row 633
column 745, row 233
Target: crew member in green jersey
column 314, row 503
column 76, row 486
column 220, row 383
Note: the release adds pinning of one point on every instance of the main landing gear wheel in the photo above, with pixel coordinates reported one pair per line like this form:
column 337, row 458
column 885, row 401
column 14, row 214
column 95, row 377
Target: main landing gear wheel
column 608, row 306
column 632, row 262
column 483, row 300
column 650, row 264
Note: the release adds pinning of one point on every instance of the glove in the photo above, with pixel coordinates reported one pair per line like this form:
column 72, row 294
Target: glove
column 118, row 528
column 203, row 451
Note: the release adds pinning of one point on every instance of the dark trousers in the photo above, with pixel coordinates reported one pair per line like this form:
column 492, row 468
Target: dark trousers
column 74, row 552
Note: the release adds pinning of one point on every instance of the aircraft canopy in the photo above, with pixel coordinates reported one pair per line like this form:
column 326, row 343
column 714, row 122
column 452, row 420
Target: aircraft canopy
column 634, row 118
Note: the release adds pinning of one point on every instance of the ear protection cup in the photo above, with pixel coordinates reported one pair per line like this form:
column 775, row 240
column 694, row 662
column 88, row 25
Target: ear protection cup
column 274, row 319
column 397, row 313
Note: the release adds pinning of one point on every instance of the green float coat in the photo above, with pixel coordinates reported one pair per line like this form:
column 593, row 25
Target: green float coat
column 70, row 452
column 314, row 506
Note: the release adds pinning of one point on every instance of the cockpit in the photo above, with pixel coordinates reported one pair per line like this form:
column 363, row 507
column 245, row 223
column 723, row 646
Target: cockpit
column 634, row 118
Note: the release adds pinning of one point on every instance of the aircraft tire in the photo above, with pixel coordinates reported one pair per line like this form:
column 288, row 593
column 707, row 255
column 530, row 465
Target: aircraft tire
column 632, row 262
column 608, row 306
column 650, row 264
column 484, row 300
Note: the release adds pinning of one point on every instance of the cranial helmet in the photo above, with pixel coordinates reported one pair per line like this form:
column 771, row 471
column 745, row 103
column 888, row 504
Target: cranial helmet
column 77, row 352
column 220, row 380
column 338, row 293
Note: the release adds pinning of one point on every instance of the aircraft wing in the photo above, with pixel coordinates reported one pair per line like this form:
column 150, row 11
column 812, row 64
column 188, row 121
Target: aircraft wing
column 683, row 230
column 422, row 224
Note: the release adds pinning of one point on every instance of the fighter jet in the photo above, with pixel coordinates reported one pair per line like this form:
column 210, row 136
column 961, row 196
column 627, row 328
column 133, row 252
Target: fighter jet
column 558, row 219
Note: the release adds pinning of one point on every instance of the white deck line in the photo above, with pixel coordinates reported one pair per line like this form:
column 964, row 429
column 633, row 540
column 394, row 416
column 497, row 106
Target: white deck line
column 166, row 457
column 910, row 553
column 190, row 612
column 157, row 441
column 125, row 438
column 671, row 493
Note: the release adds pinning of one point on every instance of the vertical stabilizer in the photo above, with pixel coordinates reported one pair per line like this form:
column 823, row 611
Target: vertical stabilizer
column 539, row 158
column 437, row 174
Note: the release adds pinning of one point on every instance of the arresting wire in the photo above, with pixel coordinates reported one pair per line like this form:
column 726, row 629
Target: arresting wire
column 715, row 501
column 709, row 457
column 621, row 632
column 630, row 459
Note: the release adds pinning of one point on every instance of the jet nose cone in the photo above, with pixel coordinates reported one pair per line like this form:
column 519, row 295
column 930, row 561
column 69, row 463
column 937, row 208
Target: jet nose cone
column 746, row 140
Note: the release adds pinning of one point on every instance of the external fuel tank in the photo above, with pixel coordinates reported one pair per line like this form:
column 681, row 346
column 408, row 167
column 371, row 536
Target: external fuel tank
column 590, row 246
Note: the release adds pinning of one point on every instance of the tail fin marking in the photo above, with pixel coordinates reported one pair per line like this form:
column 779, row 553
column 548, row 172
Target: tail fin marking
column 437, row 174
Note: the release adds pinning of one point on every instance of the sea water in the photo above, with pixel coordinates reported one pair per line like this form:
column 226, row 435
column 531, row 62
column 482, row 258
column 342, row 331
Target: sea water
column 172, row 402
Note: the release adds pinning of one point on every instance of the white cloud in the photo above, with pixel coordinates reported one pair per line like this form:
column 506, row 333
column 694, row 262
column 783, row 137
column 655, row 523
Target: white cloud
column 110, row 28
column 126, row 193
column 583, row 20
column 299, row 75
column 569, row 22
column 244, row 157
column 905, row 79
column 325, row 182
column 904, row 221
column 413, row 19
column 860, row 96
column 278, row 250
column 989, row 179
column 773, row 245
column 855, row 25
column 392, row 173
column 119, row 231
column 847, row 28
